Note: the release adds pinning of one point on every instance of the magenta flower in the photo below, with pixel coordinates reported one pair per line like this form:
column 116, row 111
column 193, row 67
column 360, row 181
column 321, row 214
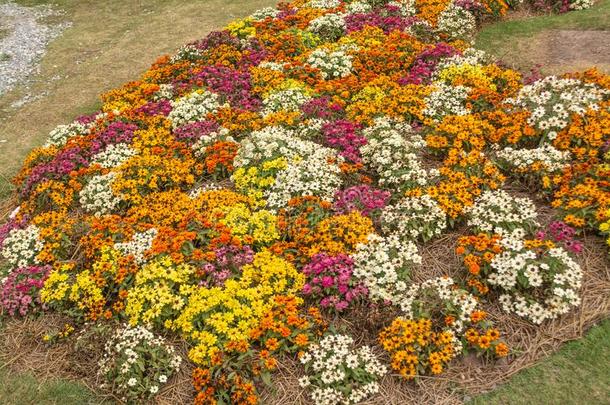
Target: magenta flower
column 19, row 293
column 329, row 279
column 363, row 198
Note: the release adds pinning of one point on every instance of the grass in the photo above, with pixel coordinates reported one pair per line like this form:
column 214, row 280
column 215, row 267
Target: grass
column 110, row 42
column 3, row 32
column 113, row 41
column 517, row 41
column 25, row 389
column 577, row 374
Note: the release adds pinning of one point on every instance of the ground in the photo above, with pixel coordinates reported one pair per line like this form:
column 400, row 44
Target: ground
column 110, row 42
column 567, row 42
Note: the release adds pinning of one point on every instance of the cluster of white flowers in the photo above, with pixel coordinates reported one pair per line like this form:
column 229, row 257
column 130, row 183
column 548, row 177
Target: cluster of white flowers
column 310, row 169
column 60, row 135
column 552, row 100
column 392, row 155
column 273, row 142
column 407, row 7
column 439, row 295
column 165, row 92
column 470, row 57
column 290, row 100
column 114, row 155
column 533, row 286
column 203, row 142
column 312, row 175
column 340, row 374
column 97, row 196
column 211, row 186
column 547, row 158
column 358, row 7
column 21, row 246
column 413, row 218
column 581, row 4
column 311, row 129
column 500, row 213
column 332, row 65
column 267, row 64
column 329, row 26
column 187, row 52
column 456, row 22
column 323, row 4
column 384, row 265
column 193, row 107
column 264, row 13
column 446, row 100
column 137, row 362
column 139, row 244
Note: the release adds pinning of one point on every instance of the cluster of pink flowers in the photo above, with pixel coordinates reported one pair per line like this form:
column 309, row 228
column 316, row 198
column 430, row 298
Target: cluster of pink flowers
column 559, row 231
column 19, row 293
column 192, row 132
column 329, row 279
column 425, row 64
column 364, row 198
column 387, row 18
column 228, row 263
column 344, row 135
column 321, row 107
column 161, row 107
column 233, row 85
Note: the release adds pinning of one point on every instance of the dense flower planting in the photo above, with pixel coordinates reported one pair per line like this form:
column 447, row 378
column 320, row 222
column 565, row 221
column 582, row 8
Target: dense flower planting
column 264, row 182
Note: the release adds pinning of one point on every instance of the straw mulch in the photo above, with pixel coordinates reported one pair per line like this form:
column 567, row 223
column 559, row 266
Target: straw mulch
column 23, row 350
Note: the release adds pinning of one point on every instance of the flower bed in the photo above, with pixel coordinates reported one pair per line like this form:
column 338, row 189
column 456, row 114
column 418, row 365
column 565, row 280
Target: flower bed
column 266, row 184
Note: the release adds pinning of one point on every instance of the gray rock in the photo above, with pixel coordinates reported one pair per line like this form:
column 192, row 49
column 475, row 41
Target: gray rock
column 24, row 40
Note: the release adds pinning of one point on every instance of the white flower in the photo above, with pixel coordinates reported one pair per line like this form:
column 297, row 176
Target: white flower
column 139, row 244
column 60, row 135
column 390, row 152
column 338, row 365
column 499, row 212
column 193, row 107
column 97, row 196
column 114, row 155
column 21, row 246
column 384, row 265
column 456, row 22
column 413, row 218
column 132, row 382
column 446, row 99
column 331, row 64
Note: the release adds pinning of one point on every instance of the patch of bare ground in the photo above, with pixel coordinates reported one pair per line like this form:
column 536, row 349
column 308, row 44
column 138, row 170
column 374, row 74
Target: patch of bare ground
column 560, row 51
column 570, row 50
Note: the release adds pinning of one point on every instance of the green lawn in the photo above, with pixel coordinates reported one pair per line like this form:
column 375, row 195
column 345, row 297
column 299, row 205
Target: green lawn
column 520, row 42
column 24, row 389
column 578, row 374
column 504, row 33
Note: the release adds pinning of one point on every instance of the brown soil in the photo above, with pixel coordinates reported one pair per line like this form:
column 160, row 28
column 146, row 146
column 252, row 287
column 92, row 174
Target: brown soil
column 570, row 50
column 560, row 51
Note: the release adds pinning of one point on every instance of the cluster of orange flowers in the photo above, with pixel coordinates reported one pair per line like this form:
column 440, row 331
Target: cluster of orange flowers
column 414, row 346
column 283, row 330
